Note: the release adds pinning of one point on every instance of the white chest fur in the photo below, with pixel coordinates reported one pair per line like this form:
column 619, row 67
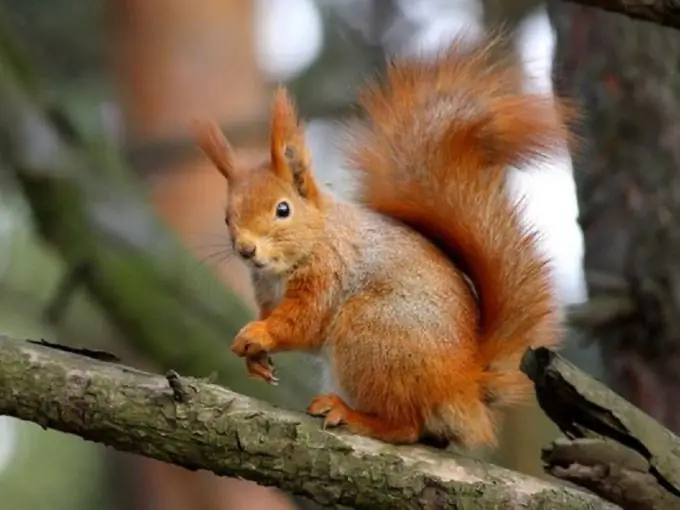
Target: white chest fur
column 269, row 289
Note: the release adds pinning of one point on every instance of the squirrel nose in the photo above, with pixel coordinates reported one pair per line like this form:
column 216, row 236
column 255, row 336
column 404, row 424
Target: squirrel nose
column 247, row 251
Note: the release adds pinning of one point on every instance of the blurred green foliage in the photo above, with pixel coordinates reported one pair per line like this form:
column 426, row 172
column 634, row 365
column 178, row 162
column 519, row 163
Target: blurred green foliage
column 48, row 470
column 53, row 471
column 67, row 38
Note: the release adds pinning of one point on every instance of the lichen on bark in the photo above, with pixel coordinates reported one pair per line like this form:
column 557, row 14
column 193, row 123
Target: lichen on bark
column 204, row 426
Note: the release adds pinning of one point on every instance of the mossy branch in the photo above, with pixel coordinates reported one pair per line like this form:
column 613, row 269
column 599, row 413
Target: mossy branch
column 198, row 425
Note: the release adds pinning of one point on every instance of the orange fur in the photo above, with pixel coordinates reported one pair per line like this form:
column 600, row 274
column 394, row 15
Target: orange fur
column 380, row 289
column 216, row 147
column 289, row 155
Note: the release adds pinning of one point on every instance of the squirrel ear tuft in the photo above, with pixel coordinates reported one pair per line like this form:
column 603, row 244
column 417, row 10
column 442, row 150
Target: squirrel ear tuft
column 290, row 158
column 215, row 146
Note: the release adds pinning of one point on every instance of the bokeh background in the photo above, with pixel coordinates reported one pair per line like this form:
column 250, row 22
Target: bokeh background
column 132, row 74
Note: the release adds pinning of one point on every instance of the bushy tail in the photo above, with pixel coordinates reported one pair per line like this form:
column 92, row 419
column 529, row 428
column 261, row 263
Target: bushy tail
column 434, row 152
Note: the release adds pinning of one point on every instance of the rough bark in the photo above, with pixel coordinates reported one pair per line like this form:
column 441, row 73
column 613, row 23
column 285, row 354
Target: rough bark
column 198, row 425
column 611, row 447
column 663, row 12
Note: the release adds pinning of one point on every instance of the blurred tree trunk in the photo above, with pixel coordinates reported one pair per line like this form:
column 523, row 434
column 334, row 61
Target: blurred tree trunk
column 626, row 75
column 175, row 61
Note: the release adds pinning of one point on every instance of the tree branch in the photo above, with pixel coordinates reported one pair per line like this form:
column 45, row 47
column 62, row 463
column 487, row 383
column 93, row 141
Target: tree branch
column 663, row 12
column 611, row 447
column 198, row 425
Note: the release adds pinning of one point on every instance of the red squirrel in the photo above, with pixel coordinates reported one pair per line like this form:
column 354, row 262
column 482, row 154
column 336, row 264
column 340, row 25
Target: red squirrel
column 422, row 295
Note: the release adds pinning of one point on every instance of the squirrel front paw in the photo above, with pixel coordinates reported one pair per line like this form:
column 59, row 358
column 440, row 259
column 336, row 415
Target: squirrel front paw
column 254, row 342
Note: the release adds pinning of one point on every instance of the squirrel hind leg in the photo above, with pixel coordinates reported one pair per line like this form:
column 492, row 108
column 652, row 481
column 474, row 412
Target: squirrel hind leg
column 337, row 412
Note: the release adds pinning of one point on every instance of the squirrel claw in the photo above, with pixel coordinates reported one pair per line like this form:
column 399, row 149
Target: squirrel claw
column 331, row 407
column 333, row 419
column 253, row 342
column 261, row 367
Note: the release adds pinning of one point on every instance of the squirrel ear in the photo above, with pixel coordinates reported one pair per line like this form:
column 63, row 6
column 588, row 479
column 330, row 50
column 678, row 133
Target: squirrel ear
column 290, row 158
column 214, row 144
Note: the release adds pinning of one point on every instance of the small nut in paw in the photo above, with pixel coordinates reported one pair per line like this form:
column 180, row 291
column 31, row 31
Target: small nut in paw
column 261, row 367
column 254, row 342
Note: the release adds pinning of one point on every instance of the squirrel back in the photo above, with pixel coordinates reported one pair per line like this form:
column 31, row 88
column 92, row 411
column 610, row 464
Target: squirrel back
column 434, row 153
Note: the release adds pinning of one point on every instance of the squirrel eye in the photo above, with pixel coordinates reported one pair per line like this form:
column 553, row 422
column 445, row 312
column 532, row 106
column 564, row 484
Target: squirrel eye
column 282, row 209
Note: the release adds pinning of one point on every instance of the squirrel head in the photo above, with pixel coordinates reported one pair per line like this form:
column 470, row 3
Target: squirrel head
column 274, row 212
